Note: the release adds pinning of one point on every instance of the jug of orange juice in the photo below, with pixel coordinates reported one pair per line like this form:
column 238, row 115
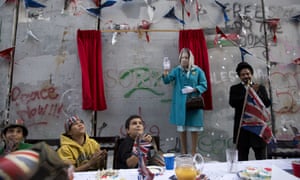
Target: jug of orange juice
column 188, row 167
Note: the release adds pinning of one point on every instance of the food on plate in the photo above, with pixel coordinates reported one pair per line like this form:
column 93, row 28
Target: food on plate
column 108, row 174
column 253, row 173
column 265, row 173
column 156, row 170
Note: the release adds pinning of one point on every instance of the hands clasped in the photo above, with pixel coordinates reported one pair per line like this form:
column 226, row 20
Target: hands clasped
column 98, row 156
column 145, row 143
column 147, row 138
column 255, row 87
column 187, row 90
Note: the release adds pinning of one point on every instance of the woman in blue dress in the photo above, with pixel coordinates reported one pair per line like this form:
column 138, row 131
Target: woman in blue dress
column 188, row 80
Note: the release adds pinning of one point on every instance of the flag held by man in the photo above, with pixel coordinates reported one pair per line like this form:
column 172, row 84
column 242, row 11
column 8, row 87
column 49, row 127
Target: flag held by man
column 256, row 116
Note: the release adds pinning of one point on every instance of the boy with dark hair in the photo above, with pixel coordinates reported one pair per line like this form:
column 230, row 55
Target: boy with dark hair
column 127, row 153
column 14, row 136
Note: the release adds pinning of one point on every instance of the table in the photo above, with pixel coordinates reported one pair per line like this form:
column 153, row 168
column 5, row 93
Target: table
column 214, row 170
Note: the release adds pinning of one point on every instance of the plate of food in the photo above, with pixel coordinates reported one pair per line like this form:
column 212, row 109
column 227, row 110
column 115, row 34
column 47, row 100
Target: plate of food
column 107, row 174
column 157, row 170
column 251, row 173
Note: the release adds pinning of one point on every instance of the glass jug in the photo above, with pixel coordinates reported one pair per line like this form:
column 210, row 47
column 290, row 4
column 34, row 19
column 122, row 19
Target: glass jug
column 188, row 167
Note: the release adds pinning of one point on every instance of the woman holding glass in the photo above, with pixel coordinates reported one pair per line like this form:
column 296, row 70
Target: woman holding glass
column 189, row 80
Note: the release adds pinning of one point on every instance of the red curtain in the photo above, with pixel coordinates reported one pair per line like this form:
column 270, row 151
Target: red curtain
column 90, row 55
column 195, row 41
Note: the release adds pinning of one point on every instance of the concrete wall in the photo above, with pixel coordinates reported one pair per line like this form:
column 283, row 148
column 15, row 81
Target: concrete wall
column 46, row 78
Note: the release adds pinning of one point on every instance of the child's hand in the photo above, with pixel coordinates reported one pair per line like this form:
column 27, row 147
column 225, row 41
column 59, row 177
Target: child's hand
column 147, row 138
column 144, row 143
column 97, row 156
column 10, row 146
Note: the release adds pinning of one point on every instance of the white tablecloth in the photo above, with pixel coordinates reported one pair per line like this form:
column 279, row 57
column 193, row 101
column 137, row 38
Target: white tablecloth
column 214, row 170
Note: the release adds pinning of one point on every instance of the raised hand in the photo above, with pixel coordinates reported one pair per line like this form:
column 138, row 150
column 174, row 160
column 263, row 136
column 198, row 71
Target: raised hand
column 10, row 146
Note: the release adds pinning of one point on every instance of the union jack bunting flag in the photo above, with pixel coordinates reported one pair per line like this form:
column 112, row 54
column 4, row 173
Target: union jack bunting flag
column 144, row 147
column 256, row 116
column 144, row 172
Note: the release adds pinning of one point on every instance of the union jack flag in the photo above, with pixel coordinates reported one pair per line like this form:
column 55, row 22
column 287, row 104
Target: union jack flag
column 256, row 116
column 144, row 172
column 144, row 147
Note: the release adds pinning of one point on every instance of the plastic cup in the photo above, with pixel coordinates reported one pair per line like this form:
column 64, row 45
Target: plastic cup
column 232, row 160
column 296, row 168
column 169, row 160
column 166, row 63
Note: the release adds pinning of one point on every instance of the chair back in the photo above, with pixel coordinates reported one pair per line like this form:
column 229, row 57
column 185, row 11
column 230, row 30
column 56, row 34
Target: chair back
column 53, row 143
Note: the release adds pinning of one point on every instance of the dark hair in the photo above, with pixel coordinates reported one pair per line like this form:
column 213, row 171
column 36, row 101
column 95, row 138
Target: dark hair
column 127, row 123
column 11, row 126
column 243, row 65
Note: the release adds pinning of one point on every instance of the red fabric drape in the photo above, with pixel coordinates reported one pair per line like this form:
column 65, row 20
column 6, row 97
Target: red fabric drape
column 90, row 55
column 195, row 41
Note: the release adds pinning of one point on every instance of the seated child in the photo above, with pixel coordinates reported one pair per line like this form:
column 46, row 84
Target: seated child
column 78, row 149
column 14, row 136
column 127, row 153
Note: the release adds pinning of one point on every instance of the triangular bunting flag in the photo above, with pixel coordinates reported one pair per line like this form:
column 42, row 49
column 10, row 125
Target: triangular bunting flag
column 6, row 53
column 30, row 34
column 33, row 4
column 108, row 3
column 145, row 25
column 243, row 53
column 219, row 32
column 187, row 11
column 94, row 11
column 198, row 10
column 273, row 23
column 97, row 11
column 150, row 9
column 296, row 18
column 296, row 61
column 223, row 10
column 171, row 14
column 116, row 34
column 96, row 2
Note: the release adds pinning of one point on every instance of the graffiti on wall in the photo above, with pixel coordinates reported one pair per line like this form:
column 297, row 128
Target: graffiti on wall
column 286, row 97
column 135, row 79
column 35, row 106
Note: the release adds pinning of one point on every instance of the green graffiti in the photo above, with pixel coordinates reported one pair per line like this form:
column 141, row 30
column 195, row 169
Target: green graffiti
column 127, row 73
column 224, row 43
column 166, row 100
column 129, row 93
column 143, row 75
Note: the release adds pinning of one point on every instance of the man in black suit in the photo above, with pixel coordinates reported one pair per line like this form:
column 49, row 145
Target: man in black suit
column 246, row 139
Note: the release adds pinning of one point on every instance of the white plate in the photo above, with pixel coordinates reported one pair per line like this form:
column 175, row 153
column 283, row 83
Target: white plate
column 156, row 169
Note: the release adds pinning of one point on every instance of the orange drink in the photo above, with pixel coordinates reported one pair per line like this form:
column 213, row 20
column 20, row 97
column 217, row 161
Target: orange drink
column 186, row 173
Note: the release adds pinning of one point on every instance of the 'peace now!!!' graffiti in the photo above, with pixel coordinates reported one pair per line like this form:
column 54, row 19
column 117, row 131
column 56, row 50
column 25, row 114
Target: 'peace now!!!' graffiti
column 36, row 104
